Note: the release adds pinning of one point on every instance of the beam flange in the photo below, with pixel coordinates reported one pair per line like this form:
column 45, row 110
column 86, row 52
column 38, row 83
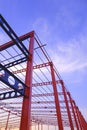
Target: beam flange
column 6, row 27
column 10, row 94
column 11, row 80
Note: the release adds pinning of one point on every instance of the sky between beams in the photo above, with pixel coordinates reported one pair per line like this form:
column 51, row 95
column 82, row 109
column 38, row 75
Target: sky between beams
column 62, row 25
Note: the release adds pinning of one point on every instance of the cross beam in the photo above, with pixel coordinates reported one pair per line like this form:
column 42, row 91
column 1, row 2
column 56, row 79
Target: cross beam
column 6, row 27
column 10, row 94
column 11, row 43
column 16, row 62
column 16, row 84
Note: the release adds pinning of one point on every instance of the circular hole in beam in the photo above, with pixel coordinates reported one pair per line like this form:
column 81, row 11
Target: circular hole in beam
column 7, row 95
column 1, row 96
column 11, row 80
column 2, row 73
column 20, row 86
column 13, row 94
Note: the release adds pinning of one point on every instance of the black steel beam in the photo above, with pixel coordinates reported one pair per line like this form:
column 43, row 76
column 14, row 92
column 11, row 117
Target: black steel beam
column 17, row 84
column 10, row 94
column 11, row 43
column 6, row 27
column 16, row 62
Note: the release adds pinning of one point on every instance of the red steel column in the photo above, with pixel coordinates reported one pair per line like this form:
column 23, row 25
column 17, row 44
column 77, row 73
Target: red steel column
column 7, row 121
column 71, row 102
column 78, row 117
column 26, row 108
column 48, row 127
column 58, row 111
column 83, row 121
column 35, row 126
column 38, row 126
column 41, row 126
column 67, row 106
column 55, row 127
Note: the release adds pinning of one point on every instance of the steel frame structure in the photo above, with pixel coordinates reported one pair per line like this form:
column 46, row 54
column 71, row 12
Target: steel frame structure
column 31, row 90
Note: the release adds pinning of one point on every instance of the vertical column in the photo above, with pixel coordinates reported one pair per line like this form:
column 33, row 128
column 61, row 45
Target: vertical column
column 38, row 126
column 35, row 126
column 41, row 126
column 55, row 127
column 7, row 121
column 48, row 127
column 26, row 108
column 67, row 106
column 77, row 115
column 57, row 104
column 73, row 110
column 83, row 121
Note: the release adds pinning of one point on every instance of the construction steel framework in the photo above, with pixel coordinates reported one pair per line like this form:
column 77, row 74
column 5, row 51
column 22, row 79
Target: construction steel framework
column 32, row 92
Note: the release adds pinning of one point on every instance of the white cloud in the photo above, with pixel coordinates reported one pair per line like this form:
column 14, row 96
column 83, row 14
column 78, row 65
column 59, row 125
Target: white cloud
column 67, row 56
column 41, row 25
column 42, row 28
column 70, row 56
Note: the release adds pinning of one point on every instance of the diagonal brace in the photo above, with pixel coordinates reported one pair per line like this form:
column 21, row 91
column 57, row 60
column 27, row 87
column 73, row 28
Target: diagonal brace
column 13, row 36
column 17, row 84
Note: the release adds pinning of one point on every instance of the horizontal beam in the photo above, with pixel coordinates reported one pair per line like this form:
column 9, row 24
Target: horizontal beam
column 11, row 43
column 41, row 65
column 6, row 27
column 47, row 102
column 44, row 107
column 11, row 80
column 34, row 67
column 9, row 95
column 46, row 94
column 42, row 121
column 45, row 83
column 43, row 111
column 14, row 94
column 36, row 85
column 8, row 110
column 16, row 62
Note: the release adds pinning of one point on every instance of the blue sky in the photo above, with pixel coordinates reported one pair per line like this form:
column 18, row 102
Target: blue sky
column 62, row 25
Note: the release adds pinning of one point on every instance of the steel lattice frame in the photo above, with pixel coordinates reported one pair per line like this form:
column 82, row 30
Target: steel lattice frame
column 31, row 89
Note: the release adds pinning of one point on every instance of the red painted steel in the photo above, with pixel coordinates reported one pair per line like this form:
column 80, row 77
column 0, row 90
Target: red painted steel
column 47, row 101
column 7, row 121
column 41, row 65
column 48, row 127
column 11, row 43
column 41, row 126
column 46, row 94
column 57, row 104
column 42, row 50
column 26, row 109
column 38, row 126
column 71, row 102
column 34, row 67
column 44, row 83
column 77, row 115
column 67, row 106
column 83, row 121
